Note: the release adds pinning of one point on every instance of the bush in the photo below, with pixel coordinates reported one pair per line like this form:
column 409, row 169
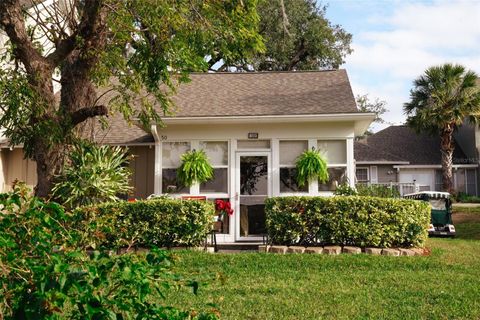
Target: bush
column 163, row 222
column 377, row 190
column 94, row 174
column 45, row 274
column 347, row 220
column 465, row 198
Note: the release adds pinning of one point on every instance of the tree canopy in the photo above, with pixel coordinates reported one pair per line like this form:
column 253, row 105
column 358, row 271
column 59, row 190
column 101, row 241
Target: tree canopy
column 440, row 101
column 298, row 36
column 139, row 49
column 377, row 106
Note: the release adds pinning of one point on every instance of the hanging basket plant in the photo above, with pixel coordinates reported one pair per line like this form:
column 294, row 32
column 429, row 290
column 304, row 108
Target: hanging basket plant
column 311, row 165
column 195, row 168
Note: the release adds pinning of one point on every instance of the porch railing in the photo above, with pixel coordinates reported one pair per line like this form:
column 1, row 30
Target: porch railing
column 403, row 188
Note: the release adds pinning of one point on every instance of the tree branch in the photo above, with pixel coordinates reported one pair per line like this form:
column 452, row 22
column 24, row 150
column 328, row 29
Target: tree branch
column 12, row 21
column 88, row 112
column 86, row 30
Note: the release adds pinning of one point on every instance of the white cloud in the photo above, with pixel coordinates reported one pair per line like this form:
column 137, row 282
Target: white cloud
column 414, row 37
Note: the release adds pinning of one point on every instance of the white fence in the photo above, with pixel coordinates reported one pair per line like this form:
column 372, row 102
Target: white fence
column 404, row 188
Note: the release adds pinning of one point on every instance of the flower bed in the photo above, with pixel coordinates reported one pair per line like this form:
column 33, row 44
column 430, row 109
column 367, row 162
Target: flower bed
column 347, row 220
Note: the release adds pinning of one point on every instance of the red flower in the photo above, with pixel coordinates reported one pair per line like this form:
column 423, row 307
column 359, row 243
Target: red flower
column 219, row 205
column 223, row 206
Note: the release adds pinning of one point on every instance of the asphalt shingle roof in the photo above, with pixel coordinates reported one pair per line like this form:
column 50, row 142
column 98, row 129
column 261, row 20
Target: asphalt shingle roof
column 247, row 94
column 403, row 143
column 265, row 93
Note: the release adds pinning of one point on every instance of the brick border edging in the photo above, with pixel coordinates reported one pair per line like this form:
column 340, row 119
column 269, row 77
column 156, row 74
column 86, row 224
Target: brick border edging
column 335, row 250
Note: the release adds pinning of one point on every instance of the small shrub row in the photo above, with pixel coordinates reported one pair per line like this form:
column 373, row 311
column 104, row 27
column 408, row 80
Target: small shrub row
column 347, row 220
column 161, row 222
column 465, row 198
column 374, row 190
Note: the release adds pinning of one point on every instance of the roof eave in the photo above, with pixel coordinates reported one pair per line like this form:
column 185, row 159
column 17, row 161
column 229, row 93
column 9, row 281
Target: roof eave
column 362, row 120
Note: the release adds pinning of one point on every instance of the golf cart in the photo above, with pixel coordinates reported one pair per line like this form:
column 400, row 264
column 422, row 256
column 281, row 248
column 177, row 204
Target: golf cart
column 441, row 215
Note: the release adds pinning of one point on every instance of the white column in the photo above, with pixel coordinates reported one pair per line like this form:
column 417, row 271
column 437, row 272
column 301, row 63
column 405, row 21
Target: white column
column 275, row 167
column 313, row 185
column 195, row 188
column 157, row 178
column 350, row 163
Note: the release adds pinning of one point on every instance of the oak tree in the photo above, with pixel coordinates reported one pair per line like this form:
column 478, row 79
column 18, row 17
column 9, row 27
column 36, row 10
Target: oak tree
column 59, row 53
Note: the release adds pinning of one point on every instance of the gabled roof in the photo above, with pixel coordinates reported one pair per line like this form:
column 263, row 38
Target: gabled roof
column 402, row 142
column 248, row 94
column 265, row 93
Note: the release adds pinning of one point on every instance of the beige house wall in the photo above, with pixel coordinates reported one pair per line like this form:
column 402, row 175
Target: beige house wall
column 15, row 167
column 142, row 167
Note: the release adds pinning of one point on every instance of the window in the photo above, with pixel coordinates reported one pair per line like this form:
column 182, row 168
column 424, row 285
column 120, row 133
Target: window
column 461, row 183
column 217, row 152
column 439, row 179
column 253, row 144
column 337, row 176
column 289, row 151
column 361, row 175
column 171, row 157
column 335, row 151
column 471, row 185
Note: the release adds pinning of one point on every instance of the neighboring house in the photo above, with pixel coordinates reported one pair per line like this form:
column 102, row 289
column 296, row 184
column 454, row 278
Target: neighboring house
column 401, row 157
column 252, row 126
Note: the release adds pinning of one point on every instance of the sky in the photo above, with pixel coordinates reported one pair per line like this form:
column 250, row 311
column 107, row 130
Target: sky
column 394, row 41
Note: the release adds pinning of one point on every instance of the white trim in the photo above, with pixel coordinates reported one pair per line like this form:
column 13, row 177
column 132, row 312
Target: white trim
column 374, row 174
column 434, row 166
column 239, row 154
column 382, row 162
column 273, row 118
column 313, row 185
column 350, row 162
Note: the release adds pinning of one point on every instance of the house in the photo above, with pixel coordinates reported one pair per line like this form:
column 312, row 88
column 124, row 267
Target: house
column 252, row 126
column 401, row 157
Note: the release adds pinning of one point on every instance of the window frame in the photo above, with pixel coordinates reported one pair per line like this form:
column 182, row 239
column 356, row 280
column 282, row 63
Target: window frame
column 188, row 189
column 290, row 166
column 223, row 166
column 368, row 175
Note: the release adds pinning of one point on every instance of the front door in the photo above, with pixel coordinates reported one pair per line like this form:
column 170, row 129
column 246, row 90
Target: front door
column 253, row 186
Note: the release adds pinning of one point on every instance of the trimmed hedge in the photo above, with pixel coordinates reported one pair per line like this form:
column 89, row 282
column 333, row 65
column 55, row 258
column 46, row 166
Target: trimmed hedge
column 161, row 222
column 347, row 220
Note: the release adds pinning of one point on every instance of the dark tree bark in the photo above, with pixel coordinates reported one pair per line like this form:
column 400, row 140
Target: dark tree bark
column 447, row 148
column 78, row 94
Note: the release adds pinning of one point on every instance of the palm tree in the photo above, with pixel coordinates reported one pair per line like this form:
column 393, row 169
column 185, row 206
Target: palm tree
column 440, row 101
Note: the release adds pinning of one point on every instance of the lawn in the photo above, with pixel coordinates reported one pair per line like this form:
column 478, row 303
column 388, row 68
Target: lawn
column 444, row 285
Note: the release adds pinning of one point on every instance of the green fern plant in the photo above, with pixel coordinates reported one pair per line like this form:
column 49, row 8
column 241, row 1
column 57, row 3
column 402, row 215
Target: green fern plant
column 311, row 165
column 195, row 167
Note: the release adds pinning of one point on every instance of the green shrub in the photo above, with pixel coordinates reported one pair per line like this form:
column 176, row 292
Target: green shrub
column 463, row 197
column 46, row 274
column 347, row 220
column 377, row 190
column 94, row 174
column 161, row 222
column 345, row 190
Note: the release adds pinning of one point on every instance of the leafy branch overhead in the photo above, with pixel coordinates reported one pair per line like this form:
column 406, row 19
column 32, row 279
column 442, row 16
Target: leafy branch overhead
column 134, row 52
column 298, row 36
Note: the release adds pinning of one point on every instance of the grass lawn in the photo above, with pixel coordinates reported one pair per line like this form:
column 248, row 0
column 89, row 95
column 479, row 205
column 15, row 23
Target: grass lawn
column 444, row 285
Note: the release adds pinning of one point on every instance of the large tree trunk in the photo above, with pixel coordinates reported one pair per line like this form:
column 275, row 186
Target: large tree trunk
column 447, row 148
column 49, row 161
